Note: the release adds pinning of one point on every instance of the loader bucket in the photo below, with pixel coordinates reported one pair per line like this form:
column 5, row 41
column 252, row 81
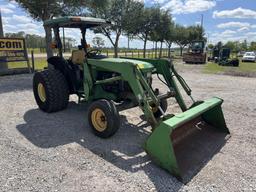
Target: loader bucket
column 184, row 143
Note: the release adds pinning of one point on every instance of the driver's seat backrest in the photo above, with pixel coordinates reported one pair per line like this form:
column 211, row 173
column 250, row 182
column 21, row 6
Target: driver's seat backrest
column 78, row 57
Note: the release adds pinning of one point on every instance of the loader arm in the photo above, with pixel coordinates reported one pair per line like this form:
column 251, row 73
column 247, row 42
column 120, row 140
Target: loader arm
column 178, row 143
column 132, row 74
column 181, row 143
column 167, row 70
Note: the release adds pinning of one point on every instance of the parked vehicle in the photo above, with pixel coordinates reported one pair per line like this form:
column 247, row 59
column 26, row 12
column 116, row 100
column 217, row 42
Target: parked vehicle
column 249, row 56
column 225, row 60
column 196, row 54
column 221, row 55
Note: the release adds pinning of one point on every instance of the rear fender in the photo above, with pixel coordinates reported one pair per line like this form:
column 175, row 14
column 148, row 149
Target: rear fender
column 62, row 65
column 59, row 64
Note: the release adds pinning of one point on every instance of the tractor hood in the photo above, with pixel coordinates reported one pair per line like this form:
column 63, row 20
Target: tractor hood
column 145, row 66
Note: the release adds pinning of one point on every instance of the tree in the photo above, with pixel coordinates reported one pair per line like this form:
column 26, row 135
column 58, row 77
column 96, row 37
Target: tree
column 195, row 33
column 244, row 46
column 32, row 41
column 210, row 46
column 155, row 38
column 117, row 11
column 144, row 25
column 130, row 21
column 181, row 37
column 70, row 42
column 162, row 29
column 170, row 38
column 98, row 42
column 47, row 9
column 231, row 45
column 36, row 41
column 252, row 46
column 20, row 34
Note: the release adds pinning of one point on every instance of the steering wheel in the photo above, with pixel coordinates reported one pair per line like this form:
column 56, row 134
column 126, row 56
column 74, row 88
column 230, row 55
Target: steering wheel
column 93, row 52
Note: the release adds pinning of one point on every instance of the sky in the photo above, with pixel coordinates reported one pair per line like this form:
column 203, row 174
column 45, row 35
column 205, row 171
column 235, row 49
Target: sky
column 223, row 20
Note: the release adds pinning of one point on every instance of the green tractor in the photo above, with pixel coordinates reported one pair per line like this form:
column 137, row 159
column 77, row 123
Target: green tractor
column 221, row 55
column 225, row 60
column 178, row 142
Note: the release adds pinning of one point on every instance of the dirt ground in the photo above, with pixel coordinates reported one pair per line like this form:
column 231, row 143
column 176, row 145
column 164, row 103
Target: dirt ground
column 58, row 152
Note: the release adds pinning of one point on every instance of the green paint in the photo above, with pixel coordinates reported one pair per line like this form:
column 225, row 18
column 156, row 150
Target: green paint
column 159, row 145
column 141, row 64
column 165, row 68
column 136, row 74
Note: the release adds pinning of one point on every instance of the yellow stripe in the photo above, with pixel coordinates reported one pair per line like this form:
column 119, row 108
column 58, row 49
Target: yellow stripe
column 140, row 65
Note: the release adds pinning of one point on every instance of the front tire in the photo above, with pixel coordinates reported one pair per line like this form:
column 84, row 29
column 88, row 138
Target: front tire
column 103, row 118
column 51, row 90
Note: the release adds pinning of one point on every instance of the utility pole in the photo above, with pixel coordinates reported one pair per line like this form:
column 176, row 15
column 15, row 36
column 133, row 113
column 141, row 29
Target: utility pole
column 202, row 25
column 3, row 64
column 202, row 20
column 1, row 26
column 208, row 38
column 64, row 44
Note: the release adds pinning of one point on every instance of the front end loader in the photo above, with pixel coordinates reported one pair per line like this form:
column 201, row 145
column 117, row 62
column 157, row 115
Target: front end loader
column 180, row 143
column 196, row 53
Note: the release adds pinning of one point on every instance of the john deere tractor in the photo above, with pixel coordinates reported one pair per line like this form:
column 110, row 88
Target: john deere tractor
column 177, row 142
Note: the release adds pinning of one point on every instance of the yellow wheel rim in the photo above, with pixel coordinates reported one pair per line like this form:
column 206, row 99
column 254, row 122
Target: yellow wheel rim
column 99, row 120
column 41, row 92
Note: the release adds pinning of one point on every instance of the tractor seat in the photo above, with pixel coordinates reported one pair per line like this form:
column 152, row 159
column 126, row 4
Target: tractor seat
column 78, row 57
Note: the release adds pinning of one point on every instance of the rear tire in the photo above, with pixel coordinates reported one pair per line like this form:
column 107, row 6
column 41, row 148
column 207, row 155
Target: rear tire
column 103, row 118
column 51, row 90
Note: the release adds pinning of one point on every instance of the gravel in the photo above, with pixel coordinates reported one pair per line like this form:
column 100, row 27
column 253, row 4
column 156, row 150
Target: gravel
column 58, row 152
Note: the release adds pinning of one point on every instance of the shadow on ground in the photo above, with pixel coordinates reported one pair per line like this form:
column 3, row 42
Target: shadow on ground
column 15, row 83
column 124, row 149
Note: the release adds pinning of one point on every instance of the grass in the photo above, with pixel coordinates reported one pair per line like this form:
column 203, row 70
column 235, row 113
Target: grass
column 40, row 63
column 36, row 50
column 244, row 67
column 211, row 67
column 248, row 67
